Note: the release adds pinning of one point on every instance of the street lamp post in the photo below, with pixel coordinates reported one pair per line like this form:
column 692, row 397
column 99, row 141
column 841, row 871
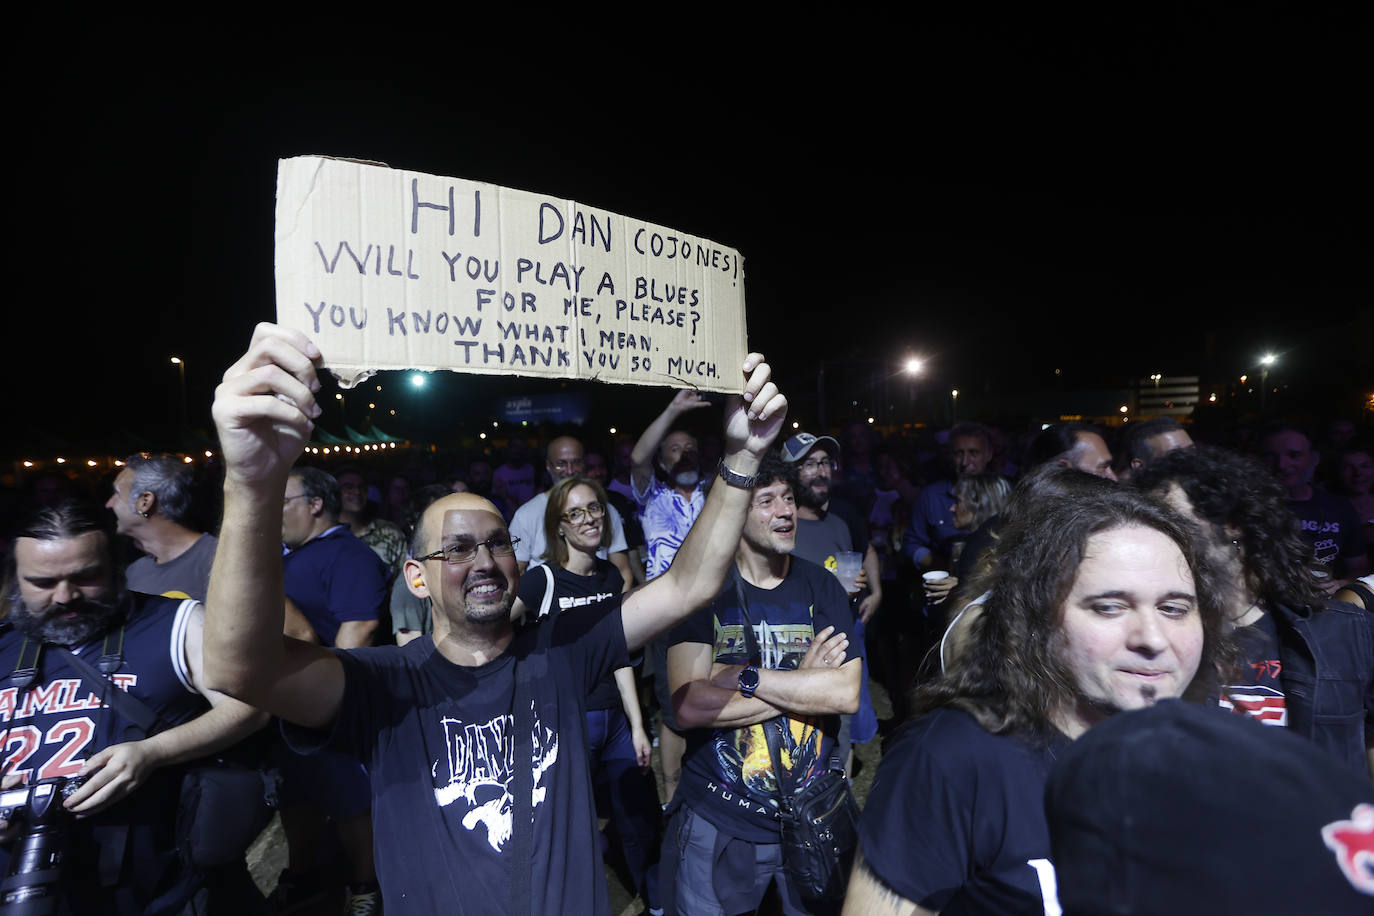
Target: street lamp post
column 954, row 405
column 181, row 386
column 912, row 367
column 1266, row 361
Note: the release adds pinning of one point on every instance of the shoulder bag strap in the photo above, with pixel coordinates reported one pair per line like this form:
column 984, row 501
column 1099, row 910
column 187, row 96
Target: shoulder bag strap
column 125, row 703
column 751, row 643
column 115, row 837
column 24, row 675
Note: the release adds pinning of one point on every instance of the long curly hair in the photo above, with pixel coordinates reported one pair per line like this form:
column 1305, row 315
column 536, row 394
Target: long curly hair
column 1228, row 489
column 1011, row 677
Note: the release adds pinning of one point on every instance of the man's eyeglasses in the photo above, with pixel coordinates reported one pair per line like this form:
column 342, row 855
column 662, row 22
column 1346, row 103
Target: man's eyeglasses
column 582, row 513
column 574, row 465
column 501, row 545
column 812, row 465
column 286, row 500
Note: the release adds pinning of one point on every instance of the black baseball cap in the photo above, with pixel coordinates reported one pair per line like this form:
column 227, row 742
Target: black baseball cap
column 1181, row 808
column 796, row 448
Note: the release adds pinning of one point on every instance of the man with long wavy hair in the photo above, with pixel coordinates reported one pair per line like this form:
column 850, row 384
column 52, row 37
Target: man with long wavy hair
column 1094, row 605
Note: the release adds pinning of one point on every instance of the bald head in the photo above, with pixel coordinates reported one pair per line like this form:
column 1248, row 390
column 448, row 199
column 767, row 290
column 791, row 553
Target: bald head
column 564, row 458
column 429, row 529
column 477, row 590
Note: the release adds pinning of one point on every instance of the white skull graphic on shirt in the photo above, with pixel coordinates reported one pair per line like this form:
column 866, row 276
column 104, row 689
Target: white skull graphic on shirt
column 478, row 769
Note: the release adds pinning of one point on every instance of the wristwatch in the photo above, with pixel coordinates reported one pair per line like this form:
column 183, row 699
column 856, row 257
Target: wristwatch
column 735, row 479
column 748, row 681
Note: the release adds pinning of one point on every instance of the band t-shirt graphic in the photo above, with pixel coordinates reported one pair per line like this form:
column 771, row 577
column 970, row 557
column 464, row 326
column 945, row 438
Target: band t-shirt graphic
column 1255, row 688
column 437, row 742
column 728, row 773
column 476, row 770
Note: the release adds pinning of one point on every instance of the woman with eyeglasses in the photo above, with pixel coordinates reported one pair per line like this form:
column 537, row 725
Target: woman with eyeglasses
column 573, row 578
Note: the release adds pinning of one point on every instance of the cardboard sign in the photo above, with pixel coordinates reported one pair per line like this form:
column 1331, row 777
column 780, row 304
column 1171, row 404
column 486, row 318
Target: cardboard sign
column 388, row 269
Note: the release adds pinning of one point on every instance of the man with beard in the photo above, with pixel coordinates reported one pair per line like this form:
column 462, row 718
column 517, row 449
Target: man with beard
column 563, row 460
column 826, row 526
column 472, row 735
column 65, row 598
column 827, row 523
column 666, row 480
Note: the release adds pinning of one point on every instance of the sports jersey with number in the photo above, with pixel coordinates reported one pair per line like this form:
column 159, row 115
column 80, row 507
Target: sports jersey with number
column 50, row 728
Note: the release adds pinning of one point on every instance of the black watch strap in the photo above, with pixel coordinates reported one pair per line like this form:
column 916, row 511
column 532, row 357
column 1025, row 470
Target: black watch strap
column 735, row 479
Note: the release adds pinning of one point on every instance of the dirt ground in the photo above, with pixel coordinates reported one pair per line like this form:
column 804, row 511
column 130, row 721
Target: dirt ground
column 267, row 856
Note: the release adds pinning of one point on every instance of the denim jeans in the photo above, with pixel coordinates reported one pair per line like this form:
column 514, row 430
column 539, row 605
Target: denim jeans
column 632, row 793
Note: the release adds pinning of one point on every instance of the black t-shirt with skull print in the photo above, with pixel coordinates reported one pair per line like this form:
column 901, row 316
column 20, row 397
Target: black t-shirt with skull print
column 436, row 741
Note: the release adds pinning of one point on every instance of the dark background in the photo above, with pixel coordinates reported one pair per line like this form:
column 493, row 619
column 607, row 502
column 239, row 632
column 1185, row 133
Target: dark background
column 1160, row 189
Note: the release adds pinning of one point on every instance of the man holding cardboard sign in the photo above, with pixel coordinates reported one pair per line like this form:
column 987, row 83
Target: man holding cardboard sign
column 480, row 802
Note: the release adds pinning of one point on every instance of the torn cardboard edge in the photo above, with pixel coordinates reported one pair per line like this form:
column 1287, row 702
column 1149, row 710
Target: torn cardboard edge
column 392, row 269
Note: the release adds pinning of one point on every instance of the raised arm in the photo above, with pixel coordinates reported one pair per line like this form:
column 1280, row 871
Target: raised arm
column 642, row 455
column 263, row 411
column 752, row 421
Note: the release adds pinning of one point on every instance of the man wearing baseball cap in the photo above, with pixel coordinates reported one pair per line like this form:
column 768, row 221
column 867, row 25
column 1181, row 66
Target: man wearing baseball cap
column 827, row 525
column 815, row 458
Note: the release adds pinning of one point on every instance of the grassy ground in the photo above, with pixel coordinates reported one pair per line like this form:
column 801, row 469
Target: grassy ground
column 267, row 857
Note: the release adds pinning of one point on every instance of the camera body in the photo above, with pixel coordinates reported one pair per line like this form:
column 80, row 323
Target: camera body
column 33, row 883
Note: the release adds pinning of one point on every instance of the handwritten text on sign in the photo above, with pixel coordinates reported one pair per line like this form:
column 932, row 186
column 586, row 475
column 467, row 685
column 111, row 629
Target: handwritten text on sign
column 388, row 269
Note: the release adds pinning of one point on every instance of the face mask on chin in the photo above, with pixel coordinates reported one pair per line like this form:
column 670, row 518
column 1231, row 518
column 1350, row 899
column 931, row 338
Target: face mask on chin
column 687, row 478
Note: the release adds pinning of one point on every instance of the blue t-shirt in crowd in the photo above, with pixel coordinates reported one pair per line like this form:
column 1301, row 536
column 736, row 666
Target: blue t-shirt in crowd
column 334, row 578
column 727, row 774
column 436, row 740
column 955, row 821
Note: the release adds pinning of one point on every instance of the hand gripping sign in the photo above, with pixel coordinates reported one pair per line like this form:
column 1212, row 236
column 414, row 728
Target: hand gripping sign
column 388, row 269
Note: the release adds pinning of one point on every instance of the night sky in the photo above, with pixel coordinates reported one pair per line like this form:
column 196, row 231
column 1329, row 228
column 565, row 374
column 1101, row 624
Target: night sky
column 1003, row 195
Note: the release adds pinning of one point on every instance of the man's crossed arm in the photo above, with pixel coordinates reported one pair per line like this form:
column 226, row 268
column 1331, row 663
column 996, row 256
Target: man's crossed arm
column 706, row 694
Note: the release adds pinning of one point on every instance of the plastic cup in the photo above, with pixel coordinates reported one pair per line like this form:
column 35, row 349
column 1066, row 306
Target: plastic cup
column 847, row 566
column 931, row 577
